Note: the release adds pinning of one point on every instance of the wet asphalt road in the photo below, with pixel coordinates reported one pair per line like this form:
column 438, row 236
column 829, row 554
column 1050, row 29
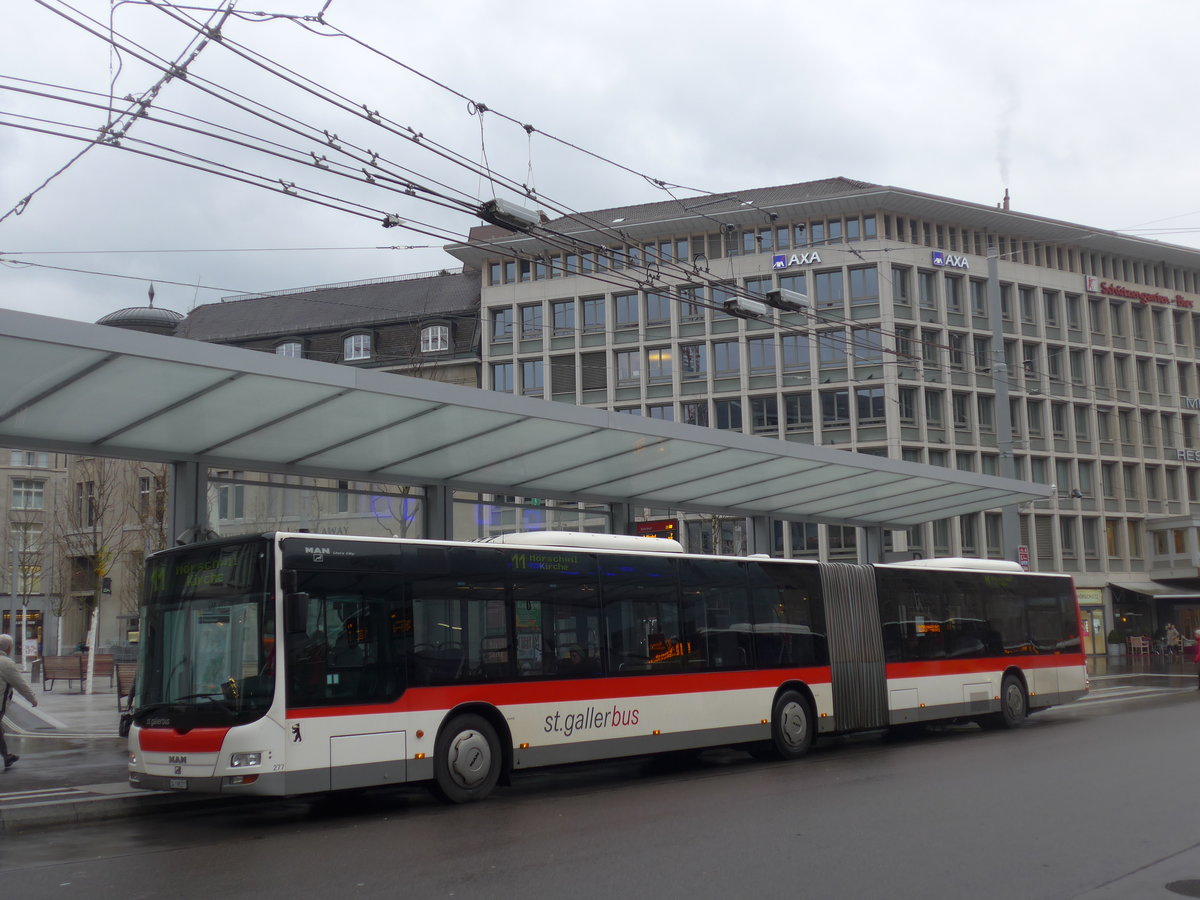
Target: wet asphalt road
column 1091, row 802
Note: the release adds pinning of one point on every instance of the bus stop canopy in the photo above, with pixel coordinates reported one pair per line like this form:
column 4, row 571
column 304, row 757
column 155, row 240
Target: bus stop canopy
column 95, row 390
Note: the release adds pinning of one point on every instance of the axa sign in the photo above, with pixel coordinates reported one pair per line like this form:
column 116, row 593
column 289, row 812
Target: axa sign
column 784, row 261
column 949, row 261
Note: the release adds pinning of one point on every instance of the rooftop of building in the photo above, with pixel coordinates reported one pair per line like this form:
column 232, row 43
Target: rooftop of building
column 333, row 306
column 760, row 207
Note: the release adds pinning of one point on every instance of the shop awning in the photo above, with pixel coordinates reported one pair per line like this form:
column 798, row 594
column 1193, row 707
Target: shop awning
column 1156, row 590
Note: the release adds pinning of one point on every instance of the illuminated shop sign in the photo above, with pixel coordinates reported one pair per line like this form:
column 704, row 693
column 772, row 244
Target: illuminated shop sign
column 945, row 260
column 1096, row 286
column 785, row 261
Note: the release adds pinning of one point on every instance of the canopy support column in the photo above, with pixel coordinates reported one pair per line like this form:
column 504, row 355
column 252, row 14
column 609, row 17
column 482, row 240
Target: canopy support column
column 188, row 494
column 758, row 535
column 439, row 512
column 871, row 548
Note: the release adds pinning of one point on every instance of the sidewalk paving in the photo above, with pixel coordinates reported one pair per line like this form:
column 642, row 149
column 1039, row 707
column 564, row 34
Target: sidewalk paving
column 73, row 762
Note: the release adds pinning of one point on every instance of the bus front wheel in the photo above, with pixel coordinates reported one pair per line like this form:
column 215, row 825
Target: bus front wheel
column 792, row 729
column 467, row 760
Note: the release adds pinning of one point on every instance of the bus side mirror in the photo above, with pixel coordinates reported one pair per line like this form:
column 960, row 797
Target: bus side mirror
column 295, row 613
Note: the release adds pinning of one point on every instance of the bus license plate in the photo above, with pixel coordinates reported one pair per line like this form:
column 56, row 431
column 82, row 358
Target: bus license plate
column 177, row 784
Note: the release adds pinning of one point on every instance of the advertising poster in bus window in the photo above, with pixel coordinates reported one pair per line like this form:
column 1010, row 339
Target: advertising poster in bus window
column 529, row 633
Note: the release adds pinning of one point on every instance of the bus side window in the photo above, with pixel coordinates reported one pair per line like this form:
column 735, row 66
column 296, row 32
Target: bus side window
column 716, row 615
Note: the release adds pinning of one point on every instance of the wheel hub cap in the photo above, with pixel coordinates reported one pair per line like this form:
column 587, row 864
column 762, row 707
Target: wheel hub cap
column 470, row 758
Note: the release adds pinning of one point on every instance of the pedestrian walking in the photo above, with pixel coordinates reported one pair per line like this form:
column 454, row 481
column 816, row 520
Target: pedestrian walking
column 1196, row 657
column 11, row 680
column 1173, row 639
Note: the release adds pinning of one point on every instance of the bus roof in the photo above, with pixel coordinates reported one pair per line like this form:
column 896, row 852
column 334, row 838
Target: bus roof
column 960, row 562
column 587, row 539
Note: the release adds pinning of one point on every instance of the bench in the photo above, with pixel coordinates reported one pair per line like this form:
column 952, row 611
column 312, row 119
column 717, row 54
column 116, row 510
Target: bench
column 104, row 666
column 125, row 676
column 60, row 668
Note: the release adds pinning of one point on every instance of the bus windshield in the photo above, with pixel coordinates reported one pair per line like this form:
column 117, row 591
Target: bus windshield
column 208, row 646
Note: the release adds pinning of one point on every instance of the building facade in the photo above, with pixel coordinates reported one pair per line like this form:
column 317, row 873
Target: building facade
column 894, row 352
column 30, row 595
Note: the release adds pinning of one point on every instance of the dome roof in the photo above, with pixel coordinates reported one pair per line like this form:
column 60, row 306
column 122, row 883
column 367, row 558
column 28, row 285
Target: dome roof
column 144, row 318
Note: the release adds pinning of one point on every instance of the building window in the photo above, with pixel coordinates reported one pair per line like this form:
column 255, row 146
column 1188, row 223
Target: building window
column 502, row 377
column 798, row 412
column 629, row 367
column 694, row 413
column 532, row 377
column 531, row 322
column 961, row 410
column 293, row 349
column 593, row 314
column 626, row 310
column 761, row 352
column 835, row 408
column 828, row 286
column 562, row 315
column 793, row 351
column 764, row 415
column 691, row 304
column 729, row 414
column 658, row 365
column 901, row 289
column 30, row 459
column 231, row 498
column 152, row 497
column 356, row 346
column 28, row 494
column 864, row 286
column 658, row 308
column 927, row 289
column 831, row 349
column 1025, row 299
column 985, row 410
column 868, row 346
column 435, row 338
column 502, row 325
column 726, row 358
column 979, row 301
column 870, row 404
column 693, row 361
column 954, row 293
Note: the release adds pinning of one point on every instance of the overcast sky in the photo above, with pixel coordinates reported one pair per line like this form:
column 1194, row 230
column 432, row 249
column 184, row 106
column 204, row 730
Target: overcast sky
column 1085, row 111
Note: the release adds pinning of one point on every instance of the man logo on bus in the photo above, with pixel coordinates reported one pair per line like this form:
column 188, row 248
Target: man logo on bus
column 296, row 739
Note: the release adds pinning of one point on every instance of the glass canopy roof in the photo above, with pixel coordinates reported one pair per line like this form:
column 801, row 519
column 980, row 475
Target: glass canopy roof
column 96, row 390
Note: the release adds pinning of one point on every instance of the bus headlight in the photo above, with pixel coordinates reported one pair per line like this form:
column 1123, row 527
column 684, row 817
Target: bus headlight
column 242, row 760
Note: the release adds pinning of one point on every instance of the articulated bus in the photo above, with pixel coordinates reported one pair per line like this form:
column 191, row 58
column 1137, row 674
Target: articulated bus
column 288, row 664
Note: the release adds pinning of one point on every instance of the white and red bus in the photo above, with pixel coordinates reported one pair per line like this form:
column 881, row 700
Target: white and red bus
column 286, row 664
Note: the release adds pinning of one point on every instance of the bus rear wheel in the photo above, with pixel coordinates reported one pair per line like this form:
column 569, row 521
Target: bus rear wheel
column 792, row 730
column 1014, row 705
column 467, row 760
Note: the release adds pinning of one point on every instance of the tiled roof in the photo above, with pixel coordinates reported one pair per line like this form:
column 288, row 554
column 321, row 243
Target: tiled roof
column 332, row 307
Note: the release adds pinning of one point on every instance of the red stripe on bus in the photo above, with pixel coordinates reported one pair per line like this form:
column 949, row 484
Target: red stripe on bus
column 168, row 740
column 929, row 667
column 507, row 694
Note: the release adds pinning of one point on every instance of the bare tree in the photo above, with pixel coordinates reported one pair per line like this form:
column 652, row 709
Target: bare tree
column 92, row 533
